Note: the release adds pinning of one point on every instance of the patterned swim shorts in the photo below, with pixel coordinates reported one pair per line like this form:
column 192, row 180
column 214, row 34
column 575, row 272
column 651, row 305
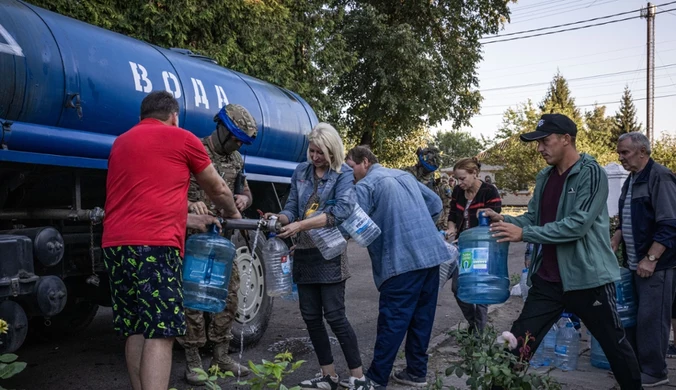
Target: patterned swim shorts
column 146, row 290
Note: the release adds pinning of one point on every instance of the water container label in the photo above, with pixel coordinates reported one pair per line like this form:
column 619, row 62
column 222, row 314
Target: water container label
column 286, row 265
column 198, row 272
column 561, row 349
column 474, row 260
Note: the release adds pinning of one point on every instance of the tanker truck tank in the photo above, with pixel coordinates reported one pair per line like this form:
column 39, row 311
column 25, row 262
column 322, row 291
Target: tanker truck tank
column 69, row 88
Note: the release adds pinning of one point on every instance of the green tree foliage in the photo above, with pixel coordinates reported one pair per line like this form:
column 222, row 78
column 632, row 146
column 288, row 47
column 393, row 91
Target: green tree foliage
column 625, row 118
column 456, row 144
column 379, row 69
column 664, row 151
column 596, row 137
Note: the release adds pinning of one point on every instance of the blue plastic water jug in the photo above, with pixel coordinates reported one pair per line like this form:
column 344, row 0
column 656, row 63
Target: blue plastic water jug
column 483, row 277
column 626, row 298
column 206, row 271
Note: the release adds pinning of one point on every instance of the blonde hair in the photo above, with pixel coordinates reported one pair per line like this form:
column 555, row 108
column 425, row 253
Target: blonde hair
column 328, row 140
column 471, row 165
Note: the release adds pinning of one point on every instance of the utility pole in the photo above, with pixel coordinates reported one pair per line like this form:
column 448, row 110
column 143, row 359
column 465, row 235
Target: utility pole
column 649, row 14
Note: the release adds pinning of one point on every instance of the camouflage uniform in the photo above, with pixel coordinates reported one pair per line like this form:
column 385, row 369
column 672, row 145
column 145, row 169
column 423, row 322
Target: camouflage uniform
column 219, row 330
column 425, row 176
column 228, row 165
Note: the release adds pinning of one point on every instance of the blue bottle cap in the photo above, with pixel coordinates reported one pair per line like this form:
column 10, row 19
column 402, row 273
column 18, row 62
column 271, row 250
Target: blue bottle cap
column 483, row 219
column 524, row 270
column 565, row 315
column 214, row 229
column 271, row 235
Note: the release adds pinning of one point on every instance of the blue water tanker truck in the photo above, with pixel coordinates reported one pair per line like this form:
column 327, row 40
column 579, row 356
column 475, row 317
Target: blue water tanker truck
column 67, row 89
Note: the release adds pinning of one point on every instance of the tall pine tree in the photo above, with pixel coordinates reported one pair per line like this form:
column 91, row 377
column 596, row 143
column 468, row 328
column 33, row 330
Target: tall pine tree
column 625, row 118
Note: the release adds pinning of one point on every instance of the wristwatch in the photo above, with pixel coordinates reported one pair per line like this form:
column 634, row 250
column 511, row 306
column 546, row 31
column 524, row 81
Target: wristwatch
column 652, row 258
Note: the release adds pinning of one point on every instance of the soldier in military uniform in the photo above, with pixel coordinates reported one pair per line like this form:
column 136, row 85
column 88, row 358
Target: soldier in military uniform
column 234, row 127
column 444, row 191
column 429, row 160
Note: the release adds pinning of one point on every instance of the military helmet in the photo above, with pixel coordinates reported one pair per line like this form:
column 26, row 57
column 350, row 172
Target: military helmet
column 430, row 158
column 239, row 122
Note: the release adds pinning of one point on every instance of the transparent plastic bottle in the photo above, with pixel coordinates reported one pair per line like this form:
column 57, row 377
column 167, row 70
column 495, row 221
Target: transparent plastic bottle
column 483, row 277
column 329, row 241
column 545, row 355
column 523, row 284
column 278, row 266
column 567, row 345
column 361, row 227
column 206, row 271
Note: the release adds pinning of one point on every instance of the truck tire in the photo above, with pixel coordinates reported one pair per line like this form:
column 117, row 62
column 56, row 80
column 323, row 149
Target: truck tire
column 74, row 318
column 253, row 314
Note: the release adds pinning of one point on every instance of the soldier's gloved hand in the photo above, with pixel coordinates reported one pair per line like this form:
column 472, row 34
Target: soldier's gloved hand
column 198, row 208
column 241, row 202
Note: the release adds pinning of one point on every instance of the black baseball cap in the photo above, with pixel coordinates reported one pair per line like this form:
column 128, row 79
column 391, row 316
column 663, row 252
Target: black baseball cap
column 551, row 124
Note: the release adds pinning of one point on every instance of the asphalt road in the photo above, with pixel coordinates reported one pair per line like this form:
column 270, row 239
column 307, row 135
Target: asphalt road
column 94, row 359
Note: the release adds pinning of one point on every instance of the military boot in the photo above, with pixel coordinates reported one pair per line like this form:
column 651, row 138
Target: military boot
column 193, row 360
column 225, row 362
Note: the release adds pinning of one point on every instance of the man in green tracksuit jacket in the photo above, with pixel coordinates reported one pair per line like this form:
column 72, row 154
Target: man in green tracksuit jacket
column 573, row 267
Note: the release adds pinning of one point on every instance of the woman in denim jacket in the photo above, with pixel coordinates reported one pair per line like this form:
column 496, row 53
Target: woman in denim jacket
column 326, row 184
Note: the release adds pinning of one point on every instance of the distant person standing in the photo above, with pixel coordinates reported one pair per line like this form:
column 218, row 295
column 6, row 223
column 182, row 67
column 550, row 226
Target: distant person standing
column 144, row 233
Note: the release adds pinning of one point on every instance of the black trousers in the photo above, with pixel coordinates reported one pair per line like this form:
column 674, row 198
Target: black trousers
column 327, row 301
column 596, row 307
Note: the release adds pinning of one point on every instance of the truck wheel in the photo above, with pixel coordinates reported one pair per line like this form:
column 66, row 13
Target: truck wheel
column 255, row 306
column 17, row 326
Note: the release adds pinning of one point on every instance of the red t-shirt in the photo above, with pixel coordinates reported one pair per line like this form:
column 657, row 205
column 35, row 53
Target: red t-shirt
column 147, row 186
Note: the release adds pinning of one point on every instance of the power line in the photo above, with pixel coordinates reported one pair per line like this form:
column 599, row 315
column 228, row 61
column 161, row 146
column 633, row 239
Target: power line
column 573, row 79
column 594, row 104
column 562, row 25
column 568, row 29
column 539, row 14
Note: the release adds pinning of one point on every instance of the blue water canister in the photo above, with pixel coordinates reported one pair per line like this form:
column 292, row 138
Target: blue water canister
column 206, row 271
column 483, row 277
column 626, row 298
column 626, row 308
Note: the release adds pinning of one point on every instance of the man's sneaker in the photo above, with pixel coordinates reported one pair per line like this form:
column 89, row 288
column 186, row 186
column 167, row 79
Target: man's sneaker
column 367, row 384
column 671, row 351
column 650, row 381
column 320, row 382
column 405, row 378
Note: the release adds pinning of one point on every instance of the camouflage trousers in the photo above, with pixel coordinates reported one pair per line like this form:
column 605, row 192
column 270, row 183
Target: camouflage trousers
column 221, row 323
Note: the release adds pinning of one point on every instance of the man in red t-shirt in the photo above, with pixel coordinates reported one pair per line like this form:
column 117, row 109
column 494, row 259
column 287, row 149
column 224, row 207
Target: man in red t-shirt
column 144, row 233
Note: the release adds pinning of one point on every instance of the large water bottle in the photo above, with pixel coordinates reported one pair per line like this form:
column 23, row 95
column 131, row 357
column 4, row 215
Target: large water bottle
column 523, row 284
column 626, row 298
column 278, row 266
column 483, row 277
column 567, row 345
column 544, row 356
column 360, row 227
column 206, row 271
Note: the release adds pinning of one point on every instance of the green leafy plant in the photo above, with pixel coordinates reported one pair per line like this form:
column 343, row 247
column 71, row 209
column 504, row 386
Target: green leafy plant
column 488, row 363
column 269, row 375
column 8, row 364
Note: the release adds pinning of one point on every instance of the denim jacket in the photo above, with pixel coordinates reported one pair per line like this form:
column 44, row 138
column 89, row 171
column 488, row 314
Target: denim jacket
column 336, row 192
column 406, row 212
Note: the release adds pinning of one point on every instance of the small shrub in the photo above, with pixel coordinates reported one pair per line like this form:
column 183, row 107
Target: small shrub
column 488, row 363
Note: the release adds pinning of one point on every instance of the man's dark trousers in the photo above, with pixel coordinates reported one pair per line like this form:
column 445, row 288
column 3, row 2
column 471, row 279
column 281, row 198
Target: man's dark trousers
column 408, row 303
column 596, row 307
column 653, row 320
